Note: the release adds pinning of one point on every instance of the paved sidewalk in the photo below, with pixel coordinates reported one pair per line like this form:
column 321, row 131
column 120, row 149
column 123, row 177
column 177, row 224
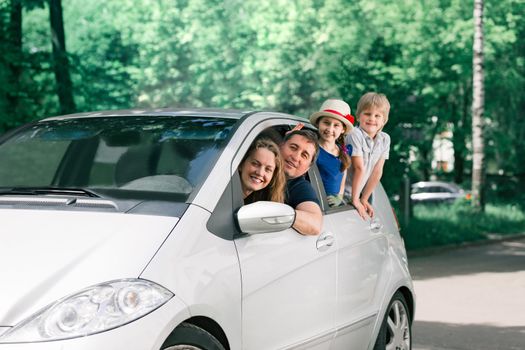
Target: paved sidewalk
column 471, row 298
column 491, row 238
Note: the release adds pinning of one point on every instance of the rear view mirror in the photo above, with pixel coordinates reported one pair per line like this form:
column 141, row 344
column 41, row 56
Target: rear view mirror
column 122, row 138
column 262, row 217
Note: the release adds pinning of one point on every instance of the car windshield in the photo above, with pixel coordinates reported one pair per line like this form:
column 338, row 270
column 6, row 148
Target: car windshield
column 130, row 156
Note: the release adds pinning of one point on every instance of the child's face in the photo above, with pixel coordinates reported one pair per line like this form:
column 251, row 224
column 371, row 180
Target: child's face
column 330, row 129
column 371, row 120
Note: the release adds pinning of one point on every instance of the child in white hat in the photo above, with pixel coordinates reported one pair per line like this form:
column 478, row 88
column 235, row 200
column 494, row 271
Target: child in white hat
column 370, row 149
column 333, row 121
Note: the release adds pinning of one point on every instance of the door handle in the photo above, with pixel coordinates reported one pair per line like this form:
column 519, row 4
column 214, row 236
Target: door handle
column 375, row 225
column 324, row 242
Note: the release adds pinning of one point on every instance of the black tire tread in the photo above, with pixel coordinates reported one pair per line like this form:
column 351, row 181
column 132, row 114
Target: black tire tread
column 190, row 334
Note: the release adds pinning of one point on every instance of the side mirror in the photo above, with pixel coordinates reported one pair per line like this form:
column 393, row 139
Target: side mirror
column 263, row 216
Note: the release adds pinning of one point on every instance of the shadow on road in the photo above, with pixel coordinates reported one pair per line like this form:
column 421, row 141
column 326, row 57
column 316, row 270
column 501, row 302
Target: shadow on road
column 440, row 336
column 471, row 260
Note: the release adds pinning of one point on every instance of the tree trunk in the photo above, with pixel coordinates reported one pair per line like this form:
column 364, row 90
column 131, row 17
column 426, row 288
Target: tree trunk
column 460, row 130
column 14, row 56
column 478, row 100
column 60, row 61
column 459, row 164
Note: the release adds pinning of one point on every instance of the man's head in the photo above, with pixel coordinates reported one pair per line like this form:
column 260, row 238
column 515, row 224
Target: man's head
column 299, row 150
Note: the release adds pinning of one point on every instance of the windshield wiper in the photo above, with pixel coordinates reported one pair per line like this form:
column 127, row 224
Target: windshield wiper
column 58, row 191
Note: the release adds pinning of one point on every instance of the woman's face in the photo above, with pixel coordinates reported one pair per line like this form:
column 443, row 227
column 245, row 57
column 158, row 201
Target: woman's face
column 257, row 171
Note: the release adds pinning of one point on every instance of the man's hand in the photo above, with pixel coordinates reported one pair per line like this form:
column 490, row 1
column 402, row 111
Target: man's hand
column 295, row 128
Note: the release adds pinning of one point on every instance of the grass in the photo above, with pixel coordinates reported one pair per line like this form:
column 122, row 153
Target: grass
column 445, row 224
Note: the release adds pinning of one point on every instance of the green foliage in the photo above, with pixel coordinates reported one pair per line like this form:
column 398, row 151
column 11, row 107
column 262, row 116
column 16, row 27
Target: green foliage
column 4, row 22
column 289, row 56
column 505, row 81
column 437, row 225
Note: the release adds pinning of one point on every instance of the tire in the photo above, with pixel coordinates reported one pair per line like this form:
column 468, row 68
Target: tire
column 396, row 328
column 190, row 337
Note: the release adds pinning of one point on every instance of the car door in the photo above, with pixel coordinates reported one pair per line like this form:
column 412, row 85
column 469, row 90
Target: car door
column 361, row 270
column 288, row 287
column 288, row 290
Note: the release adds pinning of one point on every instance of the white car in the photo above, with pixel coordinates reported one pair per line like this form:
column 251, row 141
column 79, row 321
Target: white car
column 437, row 192
column 126, row 229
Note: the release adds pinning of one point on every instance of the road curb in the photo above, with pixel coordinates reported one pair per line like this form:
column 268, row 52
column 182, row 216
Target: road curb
column 491, row 238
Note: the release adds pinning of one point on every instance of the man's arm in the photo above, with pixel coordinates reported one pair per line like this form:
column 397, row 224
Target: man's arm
column 308, row 218
column 377, row 172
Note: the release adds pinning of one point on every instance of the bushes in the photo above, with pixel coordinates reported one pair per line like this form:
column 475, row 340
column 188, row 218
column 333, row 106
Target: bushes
column 444, row 224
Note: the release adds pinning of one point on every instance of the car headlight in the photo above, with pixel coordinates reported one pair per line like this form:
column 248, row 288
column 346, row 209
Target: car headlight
column 92, row 310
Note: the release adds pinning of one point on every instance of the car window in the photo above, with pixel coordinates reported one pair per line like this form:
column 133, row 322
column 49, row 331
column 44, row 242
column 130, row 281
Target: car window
column 315, row 178
column 129, row 154
column 31, row 162
column 433, row 189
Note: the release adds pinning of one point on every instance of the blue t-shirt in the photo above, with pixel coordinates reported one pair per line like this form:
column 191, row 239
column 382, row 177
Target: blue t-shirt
column 330, row 170
column 299, row 190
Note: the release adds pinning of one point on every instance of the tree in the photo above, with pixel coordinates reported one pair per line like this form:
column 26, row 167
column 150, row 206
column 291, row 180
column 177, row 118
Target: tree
column 60, row 60
column 504, row 80
column 287, row 56
column 15, row 51
column 4, row 63
column 11, row 61
column 478, row 100
column 18, row 96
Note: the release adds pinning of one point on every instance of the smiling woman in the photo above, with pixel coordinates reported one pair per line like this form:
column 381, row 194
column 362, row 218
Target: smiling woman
column 261, row 172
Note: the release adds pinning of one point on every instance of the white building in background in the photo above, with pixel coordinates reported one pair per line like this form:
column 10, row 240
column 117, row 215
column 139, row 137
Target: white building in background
column 442, row 146
column 443, row 152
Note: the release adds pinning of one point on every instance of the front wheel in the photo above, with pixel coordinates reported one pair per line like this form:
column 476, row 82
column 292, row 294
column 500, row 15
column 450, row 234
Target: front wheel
column 190, row 337
column 396, row 328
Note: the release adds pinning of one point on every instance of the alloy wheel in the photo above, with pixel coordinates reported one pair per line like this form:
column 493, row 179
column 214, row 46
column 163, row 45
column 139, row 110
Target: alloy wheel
column 398, row 327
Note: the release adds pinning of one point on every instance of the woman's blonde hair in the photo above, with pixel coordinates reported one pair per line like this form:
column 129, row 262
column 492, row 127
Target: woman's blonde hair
column 275, row 190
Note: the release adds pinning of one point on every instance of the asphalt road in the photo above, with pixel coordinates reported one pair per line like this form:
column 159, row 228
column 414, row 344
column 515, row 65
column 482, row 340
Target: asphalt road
column 471, row 298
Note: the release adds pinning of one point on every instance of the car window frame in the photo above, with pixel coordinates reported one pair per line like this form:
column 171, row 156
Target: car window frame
column 222, row 221
column 315, row 175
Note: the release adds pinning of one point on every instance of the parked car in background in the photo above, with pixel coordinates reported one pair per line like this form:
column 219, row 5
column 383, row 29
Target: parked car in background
column 437, row 192
column 127, row 229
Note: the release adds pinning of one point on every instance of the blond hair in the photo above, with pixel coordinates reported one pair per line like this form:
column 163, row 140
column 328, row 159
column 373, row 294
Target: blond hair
column 374, row 99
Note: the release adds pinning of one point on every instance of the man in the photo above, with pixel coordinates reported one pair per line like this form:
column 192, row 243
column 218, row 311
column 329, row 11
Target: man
column 299, row 151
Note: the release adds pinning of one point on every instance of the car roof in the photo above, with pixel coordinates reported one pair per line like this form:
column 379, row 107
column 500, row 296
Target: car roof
column 174, row 112
column 435, row 183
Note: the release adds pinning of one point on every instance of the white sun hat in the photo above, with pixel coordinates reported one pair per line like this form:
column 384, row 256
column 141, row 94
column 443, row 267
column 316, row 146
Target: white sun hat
column 337, row 109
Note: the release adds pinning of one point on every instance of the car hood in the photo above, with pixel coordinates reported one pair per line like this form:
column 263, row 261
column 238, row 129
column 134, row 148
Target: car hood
column 48, row 254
